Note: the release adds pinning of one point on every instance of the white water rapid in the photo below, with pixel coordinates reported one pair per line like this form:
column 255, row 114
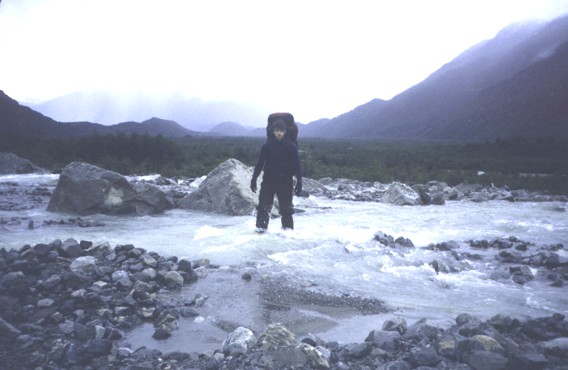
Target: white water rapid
column 332, row 249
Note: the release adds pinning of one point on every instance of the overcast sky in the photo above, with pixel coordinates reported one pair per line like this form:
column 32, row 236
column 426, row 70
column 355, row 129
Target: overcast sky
column 316, row 59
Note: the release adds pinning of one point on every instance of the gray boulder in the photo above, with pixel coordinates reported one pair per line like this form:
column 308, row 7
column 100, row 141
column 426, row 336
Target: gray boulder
column 12, row 164
column 226, row 190
column 401, row 194
column 239, row 341
column 86, row 189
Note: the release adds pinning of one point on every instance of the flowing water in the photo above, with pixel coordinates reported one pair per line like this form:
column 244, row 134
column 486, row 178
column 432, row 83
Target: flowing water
column 332, row 249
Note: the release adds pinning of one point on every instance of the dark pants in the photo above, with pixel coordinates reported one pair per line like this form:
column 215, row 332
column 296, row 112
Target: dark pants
column 283, row 189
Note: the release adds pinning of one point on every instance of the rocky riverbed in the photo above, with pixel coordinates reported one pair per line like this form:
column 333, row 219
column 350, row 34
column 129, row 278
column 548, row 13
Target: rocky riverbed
column 80, row 304
column 69, row 305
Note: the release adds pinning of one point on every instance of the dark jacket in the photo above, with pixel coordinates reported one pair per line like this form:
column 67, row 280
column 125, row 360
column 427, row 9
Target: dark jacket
column 279, row 159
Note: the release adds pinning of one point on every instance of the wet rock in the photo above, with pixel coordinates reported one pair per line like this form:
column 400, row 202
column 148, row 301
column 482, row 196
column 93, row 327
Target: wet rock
column 401, row 194
column 386, row 340
column 468, row 325
column 397, row 324
column 169, row 322
column 489, row 344
column 8, row 330
column 226, row 190
column 276, row 335
column 424, row 356
column 75, row 317
column 86, row 189
column 173, row 280
column 12, row 164
column 84, row 264
column 317, row 357
column 483, row 360
column 70, row 248
column 557, row 347
column 422, row 330
column 355, row 351
column 521, row 274
column 239, row 341
column 383, row 238
column 70, row 312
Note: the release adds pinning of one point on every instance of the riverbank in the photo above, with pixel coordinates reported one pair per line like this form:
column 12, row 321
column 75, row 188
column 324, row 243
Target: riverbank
column 72, row 304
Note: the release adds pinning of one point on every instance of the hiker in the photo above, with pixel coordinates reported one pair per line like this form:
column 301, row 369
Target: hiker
column 280, row 161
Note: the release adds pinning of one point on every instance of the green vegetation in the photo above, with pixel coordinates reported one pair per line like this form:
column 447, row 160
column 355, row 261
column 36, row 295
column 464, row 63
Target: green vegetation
column 519, row 163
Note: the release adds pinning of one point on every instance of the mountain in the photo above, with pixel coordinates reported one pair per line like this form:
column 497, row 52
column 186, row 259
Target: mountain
column 230, row 129
column 20, row 121
column 153, row 127
column 111, row 108
column 513, row 85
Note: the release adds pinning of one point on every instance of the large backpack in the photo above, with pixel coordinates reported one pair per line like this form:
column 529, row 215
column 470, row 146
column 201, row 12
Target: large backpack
column 291, row 127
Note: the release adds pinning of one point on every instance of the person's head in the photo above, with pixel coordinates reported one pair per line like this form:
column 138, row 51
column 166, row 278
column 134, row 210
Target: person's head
column 279, row 129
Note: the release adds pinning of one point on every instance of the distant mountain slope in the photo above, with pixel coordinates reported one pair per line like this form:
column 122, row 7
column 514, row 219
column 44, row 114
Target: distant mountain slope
column 512, row 85
column 230, row 129
column 153, row 127
column 515, row 84
column 21, row 121
column 111, row 108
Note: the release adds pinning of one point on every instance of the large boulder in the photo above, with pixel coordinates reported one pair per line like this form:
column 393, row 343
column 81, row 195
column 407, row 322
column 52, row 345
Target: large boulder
column 401, row 194
column 86, row 189
column 12, row 164
column 225, row 190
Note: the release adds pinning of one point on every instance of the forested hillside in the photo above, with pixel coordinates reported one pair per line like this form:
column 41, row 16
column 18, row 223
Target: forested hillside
column 518, row 163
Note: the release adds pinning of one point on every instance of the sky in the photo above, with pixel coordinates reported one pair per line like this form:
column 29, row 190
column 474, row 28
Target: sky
column 314, row 58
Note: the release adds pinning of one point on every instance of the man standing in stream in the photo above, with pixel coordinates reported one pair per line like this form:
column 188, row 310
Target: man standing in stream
column 280, row 161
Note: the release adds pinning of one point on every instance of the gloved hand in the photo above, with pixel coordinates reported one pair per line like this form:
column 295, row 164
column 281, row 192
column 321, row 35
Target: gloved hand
column 298, row 188
column 253, row 185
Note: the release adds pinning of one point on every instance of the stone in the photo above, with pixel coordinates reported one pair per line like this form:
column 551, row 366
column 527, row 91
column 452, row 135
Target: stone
column 421, row 329
column 71, row 248
column 45, row 303
column 84, row 264
column 401, row 194
column 173, row 280
column 226, row 190
column 424, row 356
column 357, row 350
column 276, row 335
column 483, row 360
column 98, row 346
column 8, row 330
column 86, row 189
column 489, row 344
column 239, row 341
column 557, row 347
column 385, row 340
column 318, row 357
column 521, row 274
column 12, row 164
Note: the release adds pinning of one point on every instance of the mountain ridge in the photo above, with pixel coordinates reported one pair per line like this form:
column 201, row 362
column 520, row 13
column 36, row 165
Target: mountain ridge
column 109, row 108
column 448, row 104
column 513, row 85
column 17, row 120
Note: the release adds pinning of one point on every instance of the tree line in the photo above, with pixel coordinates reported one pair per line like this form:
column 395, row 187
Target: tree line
column 538, row 164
